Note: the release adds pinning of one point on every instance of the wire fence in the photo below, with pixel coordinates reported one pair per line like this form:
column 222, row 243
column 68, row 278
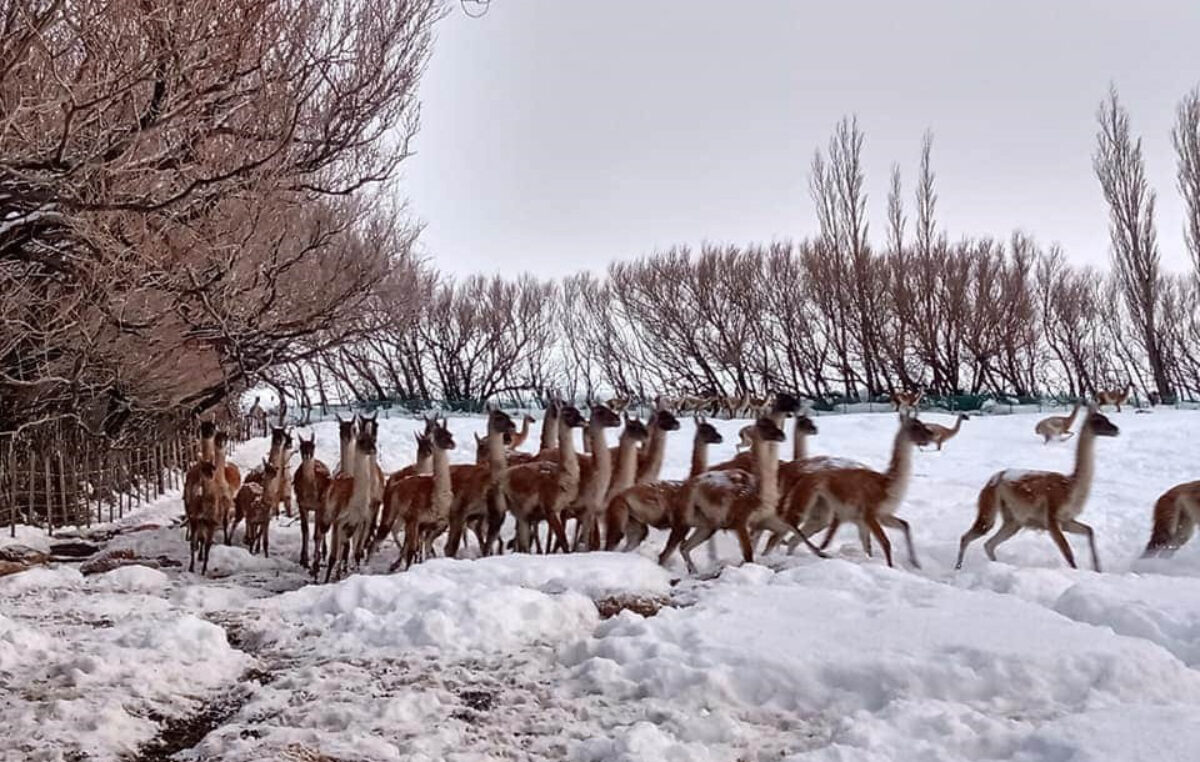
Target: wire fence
column 58, row 474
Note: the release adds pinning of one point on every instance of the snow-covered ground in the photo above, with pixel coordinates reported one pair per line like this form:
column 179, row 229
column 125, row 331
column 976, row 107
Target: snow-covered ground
column 794, row 658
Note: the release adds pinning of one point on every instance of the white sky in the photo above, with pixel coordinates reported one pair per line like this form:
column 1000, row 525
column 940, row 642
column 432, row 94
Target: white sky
column 559, row 135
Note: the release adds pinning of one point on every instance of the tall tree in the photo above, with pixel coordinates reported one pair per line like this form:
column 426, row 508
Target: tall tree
column 1121, row 170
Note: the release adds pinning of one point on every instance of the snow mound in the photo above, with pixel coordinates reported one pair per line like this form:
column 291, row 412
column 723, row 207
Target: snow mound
column 458, row 607
column 131, row 579
column 876, row 652
column 40, row 579
column 1163, row 610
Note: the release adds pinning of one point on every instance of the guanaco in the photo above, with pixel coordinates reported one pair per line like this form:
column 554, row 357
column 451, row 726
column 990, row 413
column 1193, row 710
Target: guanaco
column 907, row 401
column 191, row 480
column 631, row 512
column 549, row 435
column 205, row 513
column 735, row 500
column 1042, row 499
column 1115, row 397
column 650, row 458
column 310, row 484
column 430, row 506
column 398, row 491
column 942, row 434
column 472, row 485
column 832, row 495
column 595, row 474
column 1175, row 516
column 540, row 490
column 517, row 438
column 348, row 505
column 256, row 502
column 229, row 478
column 1057, row 427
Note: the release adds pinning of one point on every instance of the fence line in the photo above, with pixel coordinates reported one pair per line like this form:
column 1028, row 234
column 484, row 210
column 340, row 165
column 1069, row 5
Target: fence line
column 58, row 475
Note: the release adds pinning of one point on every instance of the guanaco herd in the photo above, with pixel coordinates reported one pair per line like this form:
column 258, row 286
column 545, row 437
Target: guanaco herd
column 614, row 494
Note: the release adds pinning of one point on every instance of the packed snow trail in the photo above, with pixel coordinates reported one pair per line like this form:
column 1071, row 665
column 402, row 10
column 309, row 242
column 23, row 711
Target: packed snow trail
column 793, row 658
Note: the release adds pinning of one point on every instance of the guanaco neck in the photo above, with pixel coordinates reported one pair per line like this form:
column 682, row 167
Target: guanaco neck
column 206, row 450
column 497, row 456
column 424, row 464
column 626, row 470
column 219, row 465
column 957, row 425
column 799, row 441
column 900, row 467
column 655, row 450
column 308, row 469
column 602, row 467
column 699, row 456
column 443, row 493
column 766, row 470
column 568, row 462
column 1071, row 417
column 349, row 450
column 549, row 431
column 1081, row 477
column 362, row 467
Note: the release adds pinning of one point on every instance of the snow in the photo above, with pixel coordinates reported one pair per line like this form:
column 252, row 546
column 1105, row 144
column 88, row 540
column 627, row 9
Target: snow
column 792, row 657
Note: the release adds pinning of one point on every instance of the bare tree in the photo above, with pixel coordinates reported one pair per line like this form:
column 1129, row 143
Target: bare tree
column 1121, row 170
column 1186, row 138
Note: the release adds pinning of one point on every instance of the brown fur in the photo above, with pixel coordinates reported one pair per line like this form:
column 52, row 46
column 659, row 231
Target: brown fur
column 1057, row 427
column 734, row 500
column 206, row 511
column 1114, row 397
column 1176, row 514
column 631, row 512
column 310, row 485
column 541, row 490
column 1041, row 499
column 829, row 496
column 942, row 434
column 473, row 491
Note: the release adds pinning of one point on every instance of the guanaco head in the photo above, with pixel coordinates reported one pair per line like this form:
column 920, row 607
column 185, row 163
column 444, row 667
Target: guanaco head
column 527, row 418
column 370, row 426
column 424, row 444
column 207, row 429
column 365, row 443
column 308, row 448
column 269, row 470
column 501, row 423
column 481, row 449
column 785, row 403
column 278, row 435
column 766, row 430
column 916, row 431
column 665, row 420
column 569, row 416
column 805, row 426
column 707, row 433
column 1099, row 423
column 635, row 430
column 441, row 437
column 345, row 429
column 603, row 416
column 219, row 440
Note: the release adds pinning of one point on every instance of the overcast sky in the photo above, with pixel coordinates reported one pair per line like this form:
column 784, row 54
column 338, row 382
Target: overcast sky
column 559, row 135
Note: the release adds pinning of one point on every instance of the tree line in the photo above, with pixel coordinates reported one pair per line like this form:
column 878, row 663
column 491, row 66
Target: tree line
column 835, row 314
column 199, row 197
